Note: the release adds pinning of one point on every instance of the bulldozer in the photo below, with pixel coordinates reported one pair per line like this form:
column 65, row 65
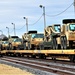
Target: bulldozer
column 51, row 37
column 32, row 39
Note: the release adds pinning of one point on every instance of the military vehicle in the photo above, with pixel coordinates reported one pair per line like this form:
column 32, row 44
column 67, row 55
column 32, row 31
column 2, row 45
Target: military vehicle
column 15, row 43
column 56, row 37
column 68, row 31
column 32, row 39
column 4, row 44
column 51, row 37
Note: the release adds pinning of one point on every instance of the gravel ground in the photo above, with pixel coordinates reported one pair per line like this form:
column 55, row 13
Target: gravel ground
column 28, row 69
column 9, row 70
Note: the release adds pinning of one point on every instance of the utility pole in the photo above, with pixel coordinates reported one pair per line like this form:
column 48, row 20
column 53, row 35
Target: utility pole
column 41, row 6
column 74, row 5
column 8, row 32
column 26, row 23
column 14, row 29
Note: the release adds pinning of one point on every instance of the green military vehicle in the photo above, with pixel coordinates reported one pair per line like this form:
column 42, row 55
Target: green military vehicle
column 51, row 37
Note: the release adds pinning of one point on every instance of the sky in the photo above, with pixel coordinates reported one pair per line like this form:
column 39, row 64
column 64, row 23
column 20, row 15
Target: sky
column 13, row 11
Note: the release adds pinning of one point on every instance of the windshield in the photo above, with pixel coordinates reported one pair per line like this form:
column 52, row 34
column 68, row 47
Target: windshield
column 5, row 42
column 72, row 27
column 57, row 28
column 17, row 40
column 37, row 35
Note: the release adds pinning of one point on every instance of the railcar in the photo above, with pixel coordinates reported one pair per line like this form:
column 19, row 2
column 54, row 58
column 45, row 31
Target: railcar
column 54, row 54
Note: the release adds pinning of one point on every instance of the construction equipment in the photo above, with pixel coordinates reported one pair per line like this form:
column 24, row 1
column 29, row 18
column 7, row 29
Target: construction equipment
column 32, row 39
column 51, row 37
column 68, row 31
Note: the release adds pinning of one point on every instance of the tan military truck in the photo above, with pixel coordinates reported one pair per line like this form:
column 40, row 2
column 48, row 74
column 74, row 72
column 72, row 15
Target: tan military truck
column 32, row 39
column 51, row 37
column 4, row 44
column 15, row 43
column 68, row 30
column 56, row 36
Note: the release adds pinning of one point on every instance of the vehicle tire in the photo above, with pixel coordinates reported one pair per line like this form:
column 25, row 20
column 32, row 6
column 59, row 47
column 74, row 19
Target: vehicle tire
column 62, row 43
column 54, row 44
column 0, row 47
column 70, row 45
column 6, row 48
column 41, row 47
column 18, row 48
column 29, row 46
column 65, row 42
column 24, row 46
column 10, row 47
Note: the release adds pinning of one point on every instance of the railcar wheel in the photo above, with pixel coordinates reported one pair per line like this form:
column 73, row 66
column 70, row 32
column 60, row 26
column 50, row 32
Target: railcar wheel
column 41, row 56
column 33, row 56
column 72, row 58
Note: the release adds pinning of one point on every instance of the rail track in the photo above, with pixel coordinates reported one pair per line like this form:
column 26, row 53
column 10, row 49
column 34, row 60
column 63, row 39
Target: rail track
column 57, row 68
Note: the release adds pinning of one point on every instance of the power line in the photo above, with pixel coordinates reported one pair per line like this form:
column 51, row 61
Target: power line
column 11, row 31
column 60, row 12
column 37, row 20
column 48, row 16
column 31, row 24
column 21, row 27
